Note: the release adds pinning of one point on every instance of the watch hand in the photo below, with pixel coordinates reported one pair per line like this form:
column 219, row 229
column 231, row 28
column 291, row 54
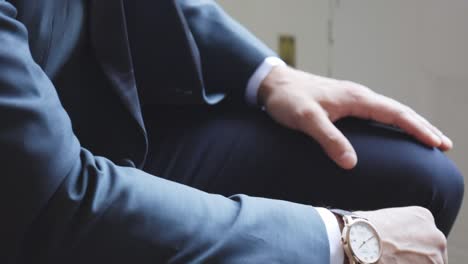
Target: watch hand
column 367, row 240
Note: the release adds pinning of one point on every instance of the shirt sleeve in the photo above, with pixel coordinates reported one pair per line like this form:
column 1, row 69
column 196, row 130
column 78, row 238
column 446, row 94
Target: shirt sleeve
column 257, row 78
column 334, row 235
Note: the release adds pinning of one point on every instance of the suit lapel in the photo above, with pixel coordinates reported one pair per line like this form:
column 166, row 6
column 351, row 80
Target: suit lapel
column 110, row 41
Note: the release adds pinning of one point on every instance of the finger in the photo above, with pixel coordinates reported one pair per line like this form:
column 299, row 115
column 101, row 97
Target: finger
column 316, row 124
column 447, row 143
column 389, row 111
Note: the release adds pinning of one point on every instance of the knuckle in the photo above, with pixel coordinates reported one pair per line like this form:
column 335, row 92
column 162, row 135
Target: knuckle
column 357, row 93
column 442, row 240
column 401, row 115
column 425, row 213
column 439, row 240
column 429, row 215
column 303, row 115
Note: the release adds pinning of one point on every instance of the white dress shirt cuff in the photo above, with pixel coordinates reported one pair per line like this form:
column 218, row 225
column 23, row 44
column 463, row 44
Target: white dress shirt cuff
column 334, row 235
column 257, row 78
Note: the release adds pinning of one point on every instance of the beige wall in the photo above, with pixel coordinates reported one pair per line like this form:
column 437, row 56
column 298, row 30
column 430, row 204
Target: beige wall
column 270, row 18
column 414, row 51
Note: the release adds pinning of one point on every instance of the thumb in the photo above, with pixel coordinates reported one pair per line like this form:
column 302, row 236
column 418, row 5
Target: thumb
column 334, row 143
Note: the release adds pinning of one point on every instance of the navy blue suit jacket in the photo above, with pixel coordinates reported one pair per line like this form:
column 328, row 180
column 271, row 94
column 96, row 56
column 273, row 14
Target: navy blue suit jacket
column 74, row 77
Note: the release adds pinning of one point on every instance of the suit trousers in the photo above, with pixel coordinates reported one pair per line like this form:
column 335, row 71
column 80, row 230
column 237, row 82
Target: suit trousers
column 225, row 151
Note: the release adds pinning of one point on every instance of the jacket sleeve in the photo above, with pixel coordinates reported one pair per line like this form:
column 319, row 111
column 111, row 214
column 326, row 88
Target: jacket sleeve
column 62, row 204
column 229, row 53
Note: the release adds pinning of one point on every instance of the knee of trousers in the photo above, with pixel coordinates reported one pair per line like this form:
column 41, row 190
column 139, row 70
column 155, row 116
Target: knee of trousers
column 437, row 178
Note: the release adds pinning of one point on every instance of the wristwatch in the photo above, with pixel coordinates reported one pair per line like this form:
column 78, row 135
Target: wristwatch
column 361, row 241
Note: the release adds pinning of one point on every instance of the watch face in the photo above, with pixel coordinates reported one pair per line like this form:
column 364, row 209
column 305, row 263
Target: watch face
column 364, row 242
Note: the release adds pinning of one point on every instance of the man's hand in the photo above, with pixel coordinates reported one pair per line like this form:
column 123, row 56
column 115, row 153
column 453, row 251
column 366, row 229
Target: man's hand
column 409, row 235
column 311, row 104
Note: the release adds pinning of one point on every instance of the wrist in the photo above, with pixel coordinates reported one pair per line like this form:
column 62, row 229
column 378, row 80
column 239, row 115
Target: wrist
column 360, row 239
column 275, row 77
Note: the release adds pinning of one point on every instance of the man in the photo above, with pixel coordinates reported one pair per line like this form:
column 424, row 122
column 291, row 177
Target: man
column 97, row 97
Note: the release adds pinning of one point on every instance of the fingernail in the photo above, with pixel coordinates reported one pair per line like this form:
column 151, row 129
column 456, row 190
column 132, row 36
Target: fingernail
column 437, row 139
column 348, row 160
column 448, row 141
